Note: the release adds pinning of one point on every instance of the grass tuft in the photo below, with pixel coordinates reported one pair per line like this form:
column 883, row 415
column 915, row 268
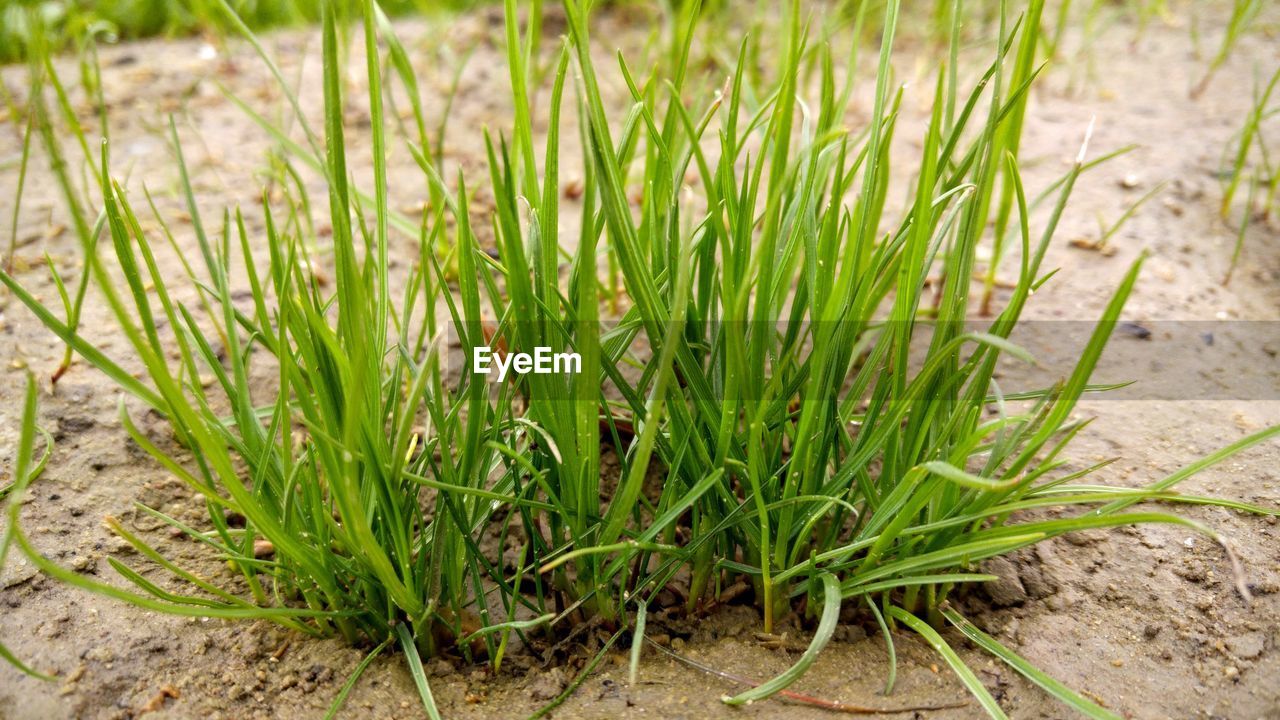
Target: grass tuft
column 759, row 326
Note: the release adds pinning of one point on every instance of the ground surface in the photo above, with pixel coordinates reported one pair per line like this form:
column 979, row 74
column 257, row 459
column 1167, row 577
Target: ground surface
column 1144, row 619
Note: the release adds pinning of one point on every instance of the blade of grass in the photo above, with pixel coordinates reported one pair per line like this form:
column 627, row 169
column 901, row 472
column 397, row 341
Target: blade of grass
column 821, row 636
column 958, row 666
column 1070, row 698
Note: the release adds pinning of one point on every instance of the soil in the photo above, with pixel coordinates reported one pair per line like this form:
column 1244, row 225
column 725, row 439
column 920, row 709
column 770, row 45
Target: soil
column 1146, row 620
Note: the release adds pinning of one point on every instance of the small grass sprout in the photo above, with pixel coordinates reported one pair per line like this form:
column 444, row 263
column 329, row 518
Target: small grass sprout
column 1243, row 15
column 26, row 469
column 1247, row 162
column 1106, row 231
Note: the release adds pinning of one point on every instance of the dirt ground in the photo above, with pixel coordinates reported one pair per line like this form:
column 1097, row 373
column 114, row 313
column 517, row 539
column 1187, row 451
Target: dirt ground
column 1145, row 620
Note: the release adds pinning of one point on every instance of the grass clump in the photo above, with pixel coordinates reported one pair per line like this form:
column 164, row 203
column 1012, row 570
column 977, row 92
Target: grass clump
column 794, row 357
column 323, row 469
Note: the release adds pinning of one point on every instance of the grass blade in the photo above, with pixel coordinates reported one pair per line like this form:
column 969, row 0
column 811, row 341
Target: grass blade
column 962, row 671
column 414, row 660
column 821, row 636
column 1072, row 699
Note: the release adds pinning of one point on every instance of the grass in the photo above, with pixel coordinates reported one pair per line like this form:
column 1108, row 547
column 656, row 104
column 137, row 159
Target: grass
column 1252, row 166
column 25, row 470
column 1239, row 18
column 827, row 428
column 1244, row 13
column 1106, row 231
column 75, row 24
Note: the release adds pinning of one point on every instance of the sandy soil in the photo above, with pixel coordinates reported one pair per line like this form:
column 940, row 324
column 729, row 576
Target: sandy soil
column 1144, row 619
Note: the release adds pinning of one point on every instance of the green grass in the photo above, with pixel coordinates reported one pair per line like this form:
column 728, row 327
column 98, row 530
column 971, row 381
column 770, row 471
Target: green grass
column 1248, row 163
column 1096, row 18
column 825, row 428
column 25, row 470
column 74, row 24
column 1244, row 13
